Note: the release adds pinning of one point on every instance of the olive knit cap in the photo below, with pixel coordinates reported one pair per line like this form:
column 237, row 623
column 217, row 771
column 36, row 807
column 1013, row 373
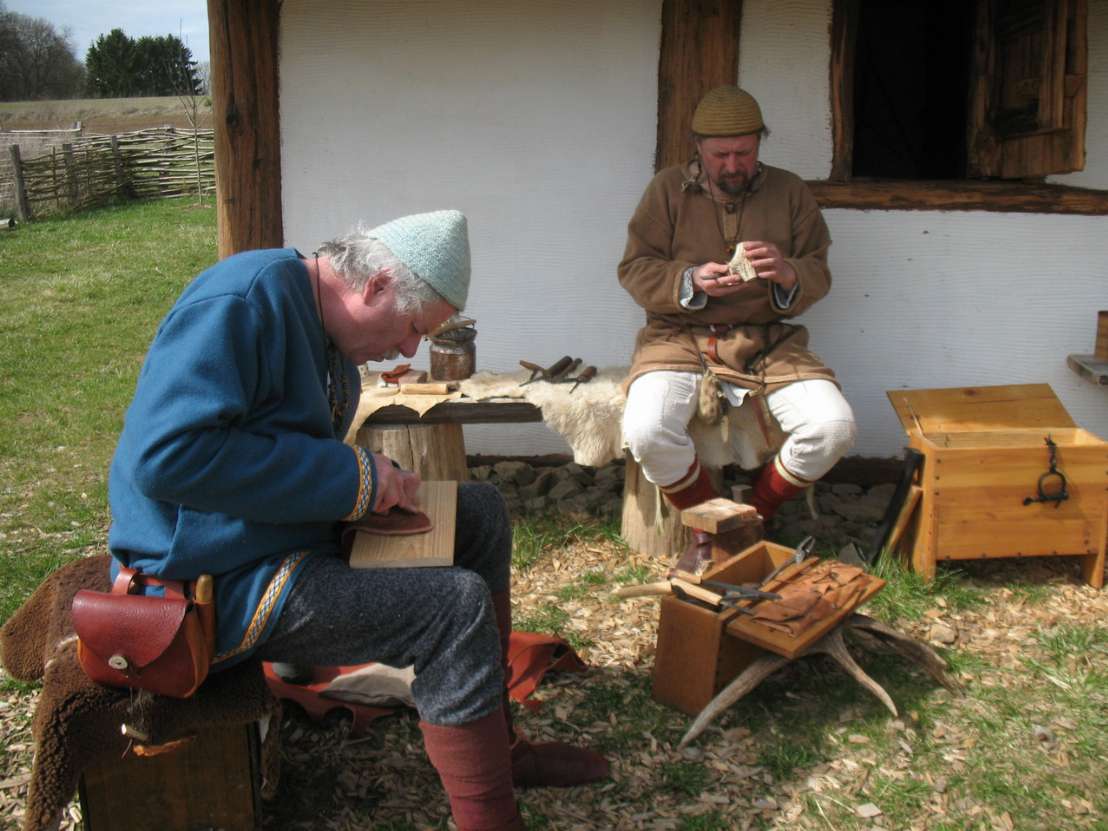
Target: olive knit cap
column 727, row 111
column 435, row 246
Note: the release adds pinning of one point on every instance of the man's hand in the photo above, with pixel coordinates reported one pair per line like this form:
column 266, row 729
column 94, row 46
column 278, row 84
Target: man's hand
column 396, row 488
column 716, row 280
column 770, row 265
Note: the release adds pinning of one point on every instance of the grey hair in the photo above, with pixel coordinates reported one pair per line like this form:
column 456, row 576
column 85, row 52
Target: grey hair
column 357, row 256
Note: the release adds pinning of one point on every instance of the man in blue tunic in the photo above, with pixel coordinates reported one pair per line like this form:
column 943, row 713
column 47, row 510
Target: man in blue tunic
column 231, row 463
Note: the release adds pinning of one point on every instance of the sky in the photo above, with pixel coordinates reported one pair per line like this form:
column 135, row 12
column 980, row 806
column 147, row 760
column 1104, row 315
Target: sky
column 86, row 20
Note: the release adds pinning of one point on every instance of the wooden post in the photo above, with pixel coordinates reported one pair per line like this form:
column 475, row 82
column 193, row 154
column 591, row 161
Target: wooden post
column 699, row 50
column 647, row 527
column 70, row 174
column 22, row 205
column 243, row 43
column 437, row 452
column 122, row 186
column 1101, row 348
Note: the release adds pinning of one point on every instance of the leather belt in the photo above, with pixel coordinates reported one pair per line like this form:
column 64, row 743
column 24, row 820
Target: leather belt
column 716, row 330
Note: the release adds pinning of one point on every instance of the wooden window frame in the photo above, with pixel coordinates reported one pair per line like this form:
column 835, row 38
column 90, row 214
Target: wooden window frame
column 840, row 191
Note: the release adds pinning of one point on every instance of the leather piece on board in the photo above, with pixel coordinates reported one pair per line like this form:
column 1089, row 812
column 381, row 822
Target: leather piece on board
column 395, row 523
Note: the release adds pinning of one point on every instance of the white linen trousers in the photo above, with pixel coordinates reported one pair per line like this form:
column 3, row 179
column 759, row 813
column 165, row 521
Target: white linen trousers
column 814, row 414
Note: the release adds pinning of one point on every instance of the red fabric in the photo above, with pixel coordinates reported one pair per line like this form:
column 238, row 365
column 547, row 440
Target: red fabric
column 530, row 656
column 700, row 490
column 770, row 491
column 475, row 766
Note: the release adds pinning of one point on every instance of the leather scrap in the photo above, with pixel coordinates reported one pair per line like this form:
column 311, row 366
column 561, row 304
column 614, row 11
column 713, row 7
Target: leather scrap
column 810, row 596
column 396, row 523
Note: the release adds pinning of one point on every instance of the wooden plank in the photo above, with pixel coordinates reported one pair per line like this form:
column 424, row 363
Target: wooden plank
column 1090, row 367
column 958, row 195
column 1024, row 437
column 1092, row 566
column 509, row 411
column 976, row 540
column 844, row 36
column 439, row 501
column 998, row 408
column 245, row 112
column 699, row 50
column 719, row 515
column 907, row 511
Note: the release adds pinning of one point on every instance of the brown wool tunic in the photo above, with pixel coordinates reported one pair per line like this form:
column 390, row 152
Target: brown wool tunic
column 678, row 224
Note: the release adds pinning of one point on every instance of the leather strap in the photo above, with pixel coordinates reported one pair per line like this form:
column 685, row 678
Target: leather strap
column 130, row 579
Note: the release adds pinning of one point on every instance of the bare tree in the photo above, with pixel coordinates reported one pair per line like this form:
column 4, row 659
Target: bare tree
column 36, row 60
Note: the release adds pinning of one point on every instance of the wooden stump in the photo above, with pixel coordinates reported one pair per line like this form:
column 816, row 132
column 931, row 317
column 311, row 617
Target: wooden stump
column 647, row 527
column 437, row 452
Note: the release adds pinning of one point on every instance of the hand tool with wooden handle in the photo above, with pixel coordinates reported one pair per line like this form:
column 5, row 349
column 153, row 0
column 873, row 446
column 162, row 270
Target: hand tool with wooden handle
column 559, row 367
column 583, row 377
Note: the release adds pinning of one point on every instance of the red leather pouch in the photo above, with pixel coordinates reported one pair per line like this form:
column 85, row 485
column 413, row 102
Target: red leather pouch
column 160, row 644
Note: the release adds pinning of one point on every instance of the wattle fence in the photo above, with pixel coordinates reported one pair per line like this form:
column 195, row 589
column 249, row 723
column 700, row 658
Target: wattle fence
column 159, row 163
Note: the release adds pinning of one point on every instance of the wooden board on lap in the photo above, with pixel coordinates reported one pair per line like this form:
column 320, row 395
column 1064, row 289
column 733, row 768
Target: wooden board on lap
column 439, row 500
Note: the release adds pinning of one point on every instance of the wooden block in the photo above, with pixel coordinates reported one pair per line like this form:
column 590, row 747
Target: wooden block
column 210, row 782
column 719, row 515
column 1100, row 350
column 693, row 660
column 1090, row 367
column 439, row 500
column 441, row 388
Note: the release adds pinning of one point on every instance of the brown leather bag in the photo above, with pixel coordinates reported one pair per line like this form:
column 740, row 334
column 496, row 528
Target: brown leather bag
column 161, row 644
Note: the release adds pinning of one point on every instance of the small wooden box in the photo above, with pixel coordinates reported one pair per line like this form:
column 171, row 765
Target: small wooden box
column 212, row 781
column 984, row 452
column 695, row 658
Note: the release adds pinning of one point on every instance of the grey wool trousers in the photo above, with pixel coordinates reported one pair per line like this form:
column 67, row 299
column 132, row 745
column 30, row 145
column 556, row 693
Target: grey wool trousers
column 438, row 619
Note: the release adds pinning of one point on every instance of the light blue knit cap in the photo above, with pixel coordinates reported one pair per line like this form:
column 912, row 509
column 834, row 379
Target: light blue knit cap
column 435, row 246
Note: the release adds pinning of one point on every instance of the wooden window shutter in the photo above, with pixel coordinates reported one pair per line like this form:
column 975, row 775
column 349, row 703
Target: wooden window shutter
column 1027, row 104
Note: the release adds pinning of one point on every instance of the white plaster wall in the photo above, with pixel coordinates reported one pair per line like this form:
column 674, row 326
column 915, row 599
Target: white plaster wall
column 928, row 298
column 784, row 62
column 944, row 299
column 1095, row 174
column 536, row 119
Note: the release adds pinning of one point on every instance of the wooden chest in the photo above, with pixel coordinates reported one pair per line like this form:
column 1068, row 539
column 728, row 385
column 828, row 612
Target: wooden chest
column 985, row 452
column 211, row 782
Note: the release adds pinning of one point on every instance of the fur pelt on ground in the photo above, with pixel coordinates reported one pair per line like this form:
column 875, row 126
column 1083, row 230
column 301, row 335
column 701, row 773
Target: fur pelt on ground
column 77, row 722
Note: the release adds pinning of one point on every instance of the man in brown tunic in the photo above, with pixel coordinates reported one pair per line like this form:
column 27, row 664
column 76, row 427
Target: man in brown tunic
column 707, row 325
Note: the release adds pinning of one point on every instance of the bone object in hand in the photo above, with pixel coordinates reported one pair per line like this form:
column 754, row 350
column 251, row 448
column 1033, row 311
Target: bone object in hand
column 740, row 264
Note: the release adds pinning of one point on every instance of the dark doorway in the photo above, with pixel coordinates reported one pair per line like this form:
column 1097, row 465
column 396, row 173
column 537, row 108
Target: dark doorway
column 911, row 88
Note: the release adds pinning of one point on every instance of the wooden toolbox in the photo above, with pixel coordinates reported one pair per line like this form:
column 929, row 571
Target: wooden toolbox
column 700, row 650
column 984, row 453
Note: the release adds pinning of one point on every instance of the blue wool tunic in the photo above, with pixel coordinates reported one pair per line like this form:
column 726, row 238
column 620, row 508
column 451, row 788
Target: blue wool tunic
column 229, row 463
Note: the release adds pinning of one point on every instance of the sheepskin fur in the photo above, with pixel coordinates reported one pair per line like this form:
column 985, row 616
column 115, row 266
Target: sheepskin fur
column 590, row 418
column 76, row 721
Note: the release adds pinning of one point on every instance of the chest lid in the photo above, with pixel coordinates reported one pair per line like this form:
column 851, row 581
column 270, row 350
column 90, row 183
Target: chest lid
column 979, row 409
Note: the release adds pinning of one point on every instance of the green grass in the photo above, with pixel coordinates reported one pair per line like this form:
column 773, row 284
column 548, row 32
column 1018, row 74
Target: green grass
column 80, row 299
column 536, row 537
column 907, row 595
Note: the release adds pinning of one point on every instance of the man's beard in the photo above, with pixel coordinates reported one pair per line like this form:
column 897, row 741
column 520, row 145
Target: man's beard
column 733, row 185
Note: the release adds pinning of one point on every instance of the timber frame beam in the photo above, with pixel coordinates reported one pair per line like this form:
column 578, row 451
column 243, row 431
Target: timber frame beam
column 243, row 40
column 699, row 50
